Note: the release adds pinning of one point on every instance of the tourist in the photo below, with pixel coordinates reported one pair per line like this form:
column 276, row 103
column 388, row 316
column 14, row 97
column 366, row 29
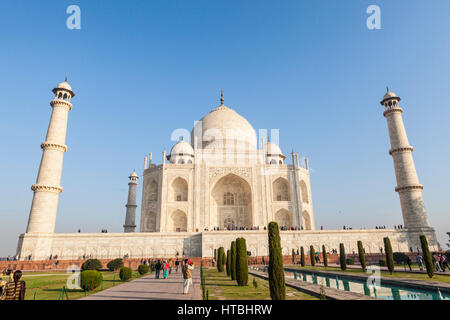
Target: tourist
column 14, row 289
column 177, row 264
column 408, row 262
column 419, row 260
column 188, row 266
column 166, row 268
column 157, row 269
column 435, row 259
column 56, row 264
column 444, row 262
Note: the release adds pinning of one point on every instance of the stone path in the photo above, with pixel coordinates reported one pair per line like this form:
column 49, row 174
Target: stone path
column 149, row 288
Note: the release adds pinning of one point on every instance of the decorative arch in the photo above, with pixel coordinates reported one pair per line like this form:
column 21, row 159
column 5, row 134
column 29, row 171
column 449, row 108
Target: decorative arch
column 178, row 221
column 232, row 202
column 179, row 189
column 284, row 218
column 306, row 220
column 304, row 192
column 153, row 191
column 280, row 189
column 150, row 222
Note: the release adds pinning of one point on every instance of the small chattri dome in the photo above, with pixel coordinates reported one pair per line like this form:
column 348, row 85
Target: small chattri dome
column 134, row 174
column 389, row 95
column 183, row 148
column 273, row 149
column 64, row 86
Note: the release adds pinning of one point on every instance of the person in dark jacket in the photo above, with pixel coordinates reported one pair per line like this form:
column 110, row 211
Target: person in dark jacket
column 157, row 269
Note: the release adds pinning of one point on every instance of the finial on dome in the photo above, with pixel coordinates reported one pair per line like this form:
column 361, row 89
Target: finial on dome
column 221, row 98
column 65, row 79
column 387, row 89
column 182, row 138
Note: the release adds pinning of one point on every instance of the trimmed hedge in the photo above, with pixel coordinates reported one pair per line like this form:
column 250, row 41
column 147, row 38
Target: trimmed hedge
column 427, row 256
column 228, row 264
column 241, row 262
column 115, row 264
column 325, row 257
column 382, row 263
column 362, row 256
column 389, row 254
column 143, row 269
column 125, row 273
column 91, row 264
column 220, row 255
column 342, row 261
column 400, row 257
column 302, row 256
column 153, row 266
column 233, row 260
column 90, row 279
column 276, row 270
column 350, row 261
column 312, row 255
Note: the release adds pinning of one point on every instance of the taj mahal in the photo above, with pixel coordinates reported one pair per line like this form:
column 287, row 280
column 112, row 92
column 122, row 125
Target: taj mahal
column 216, row 184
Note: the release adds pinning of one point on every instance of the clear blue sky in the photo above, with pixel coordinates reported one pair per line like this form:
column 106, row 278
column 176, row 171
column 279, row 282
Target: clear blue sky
column 141, row 69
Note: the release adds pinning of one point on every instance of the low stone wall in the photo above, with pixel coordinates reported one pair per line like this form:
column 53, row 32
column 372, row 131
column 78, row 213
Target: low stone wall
column 202, row 244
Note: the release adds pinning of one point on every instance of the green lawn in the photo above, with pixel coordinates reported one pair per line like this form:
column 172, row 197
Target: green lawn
column 221, row 287
column 47, row 286
column 406, row 275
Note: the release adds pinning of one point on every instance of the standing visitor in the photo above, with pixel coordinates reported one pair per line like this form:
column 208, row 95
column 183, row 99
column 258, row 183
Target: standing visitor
column 419, row 260
column 188, row 266
column 408, row 262
column 444, row 262
column 177, row 264
column 436, row 262
column 157, row 269
column 165, row 269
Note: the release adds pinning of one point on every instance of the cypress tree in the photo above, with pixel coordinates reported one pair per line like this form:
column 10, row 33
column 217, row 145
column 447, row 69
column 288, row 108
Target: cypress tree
column 389, row 254
column 325, row 257
column 342, row 261
column 276, row 270
column 233, row 260
column 220, row 254
column 241, row 262
column 293, row 256
column 362, row 256
column 302, row 256
column 215, row 255
column 427, row 256
column 228, row 262
column 312, row 255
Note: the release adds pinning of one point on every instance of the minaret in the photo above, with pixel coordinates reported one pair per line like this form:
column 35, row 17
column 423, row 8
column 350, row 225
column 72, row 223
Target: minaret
column 408, row 187
column 130, row 217
column 47, row 188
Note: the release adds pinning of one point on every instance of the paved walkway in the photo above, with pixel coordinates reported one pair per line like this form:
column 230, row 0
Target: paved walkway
column 149, row 288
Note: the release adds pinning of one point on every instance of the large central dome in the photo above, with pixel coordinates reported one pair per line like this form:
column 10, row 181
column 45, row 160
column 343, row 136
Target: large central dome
column 224, row 127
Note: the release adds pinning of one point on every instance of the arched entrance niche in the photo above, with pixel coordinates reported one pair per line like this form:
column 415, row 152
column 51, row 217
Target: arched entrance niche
column 283, row 218
column 232, row 202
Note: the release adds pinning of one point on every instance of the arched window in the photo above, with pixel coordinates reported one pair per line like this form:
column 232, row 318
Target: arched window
column 181, row 161
column 178, row 221
column 179, row 189
column 153, row 191
column 65, row 96
column 304, row 192
column 281, row 190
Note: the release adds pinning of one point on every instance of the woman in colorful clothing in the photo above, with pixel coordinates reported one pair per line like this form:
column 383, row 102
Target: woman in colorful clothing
column 166, row 269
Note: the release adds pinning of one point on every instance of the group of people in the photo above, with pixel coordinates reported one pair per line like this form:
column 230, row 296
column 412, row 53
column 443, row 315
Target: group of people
column 187, row 265
column 13, row 288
